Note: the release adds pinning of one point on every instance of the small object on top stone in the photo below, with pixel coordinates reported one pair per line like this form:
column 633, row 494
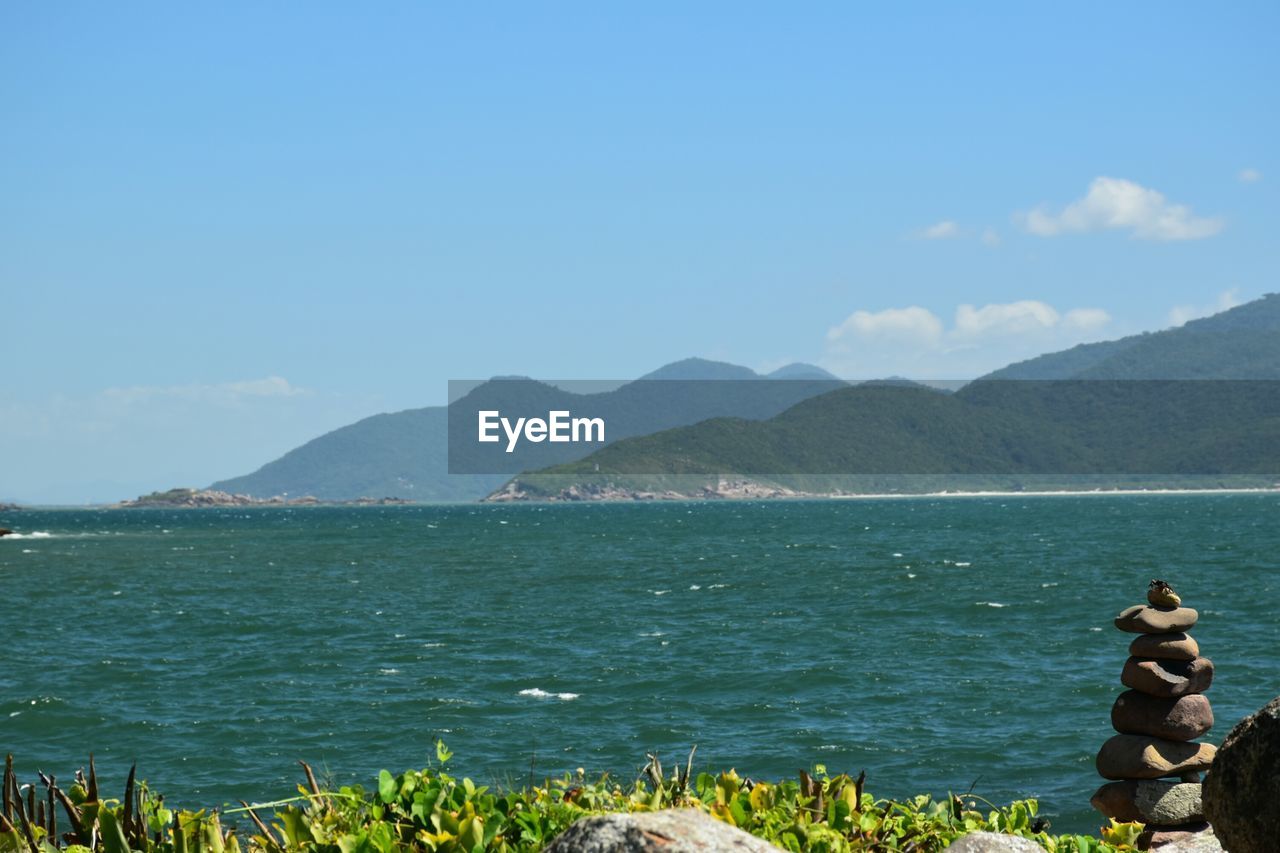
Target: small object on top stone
column 1160, row 594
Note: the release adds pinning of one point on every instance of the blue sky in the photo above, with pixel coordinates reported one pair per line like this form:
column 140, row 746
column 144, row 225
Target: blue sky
column 224, row 230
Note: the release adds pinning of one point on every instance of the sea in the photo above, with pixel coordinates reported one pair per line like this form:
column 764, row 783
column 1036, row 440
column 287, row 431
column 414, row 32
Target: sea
column 954, row 644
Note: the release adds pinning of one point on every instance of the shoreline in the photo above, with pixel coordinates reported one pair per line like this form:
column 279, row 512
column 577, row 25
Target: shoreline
column 359, row 504
column 752, row 491
column 1059, row 493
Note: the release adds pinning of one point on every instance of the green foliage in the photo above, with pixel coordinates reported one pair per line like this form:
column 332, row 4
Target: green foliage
column 990, row 435
column 1237, row 344
column 434, row 810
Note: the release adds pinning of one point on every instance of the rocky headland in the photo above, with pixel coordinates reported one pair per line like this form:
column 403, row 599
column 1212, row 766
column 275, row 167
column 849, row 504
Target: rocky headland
column 200, row 498
column 737, row 489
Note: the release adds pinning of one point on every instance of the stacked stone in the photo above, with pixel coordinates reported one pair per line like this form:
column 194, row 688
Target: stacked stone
column 1154, row 759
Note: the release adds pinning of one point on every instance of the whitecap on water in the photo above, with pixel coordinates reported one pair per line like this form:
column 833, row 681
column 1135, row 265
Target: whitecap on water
column 695, row 587
column 539, row 693
column 661, row 591
column 963, row 565
column 35, row 534
column 389, row 671
column 991, row 604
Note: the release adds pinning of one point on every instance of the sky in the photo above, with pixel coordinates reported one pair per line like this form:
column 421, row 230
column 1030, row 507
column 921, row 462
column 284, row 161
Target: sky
column 225, row 230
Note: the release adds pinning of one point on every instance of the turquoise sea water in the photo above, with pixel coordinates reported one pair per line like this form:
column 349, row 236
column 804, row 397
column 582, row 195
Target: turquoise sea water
column 937, row 644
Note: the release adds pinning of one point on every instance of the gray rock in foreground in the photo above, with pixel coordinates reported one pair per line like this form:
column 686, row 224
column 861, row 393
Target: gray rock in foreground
column 993, row 842
column 1199, row 842
column 669, row 831
column 1242, row 791
column 1158, row 801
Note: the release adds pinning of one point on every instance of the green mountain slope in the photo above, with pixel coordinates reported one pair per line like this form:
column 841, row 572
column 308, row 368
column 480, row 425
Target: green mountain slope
column 406, row 454
column 1198, row 401
column 1240, row 343
column 390, row 455
column 990, row 434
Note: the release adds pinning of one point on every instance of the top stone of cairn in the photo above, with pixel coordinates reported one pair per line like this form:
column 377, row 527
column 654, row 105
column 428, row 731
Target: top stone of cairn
column 1163, row 614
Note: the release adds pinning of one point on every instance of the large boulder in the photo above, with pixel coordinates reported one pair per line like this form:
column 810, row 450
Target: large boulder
column 993, row 842
column 668, row 831
column 1242, row 791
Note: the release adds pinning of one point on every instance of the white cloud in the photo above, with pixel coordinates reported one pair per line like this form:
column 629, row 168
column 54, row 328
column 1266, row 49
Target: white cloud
column 916, row 342
column 1227, row 299
column 1085, row 319
column 1013, row 318
column 1249, row 176
column 225, row 392
column 990, row 237
column 944, row 230
column 897, row 324
column 1118, row 204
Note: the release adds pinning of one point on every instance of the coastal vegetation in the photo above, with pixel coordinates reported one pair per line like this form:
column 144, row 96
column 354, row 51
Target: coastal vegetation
column 433, row 809
column 990, row 435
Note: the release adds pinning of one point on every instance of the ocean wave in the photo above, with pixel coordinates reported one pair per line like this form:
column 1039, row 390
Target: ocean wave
column 990, row 604
column 539, row 693
column 35, row 534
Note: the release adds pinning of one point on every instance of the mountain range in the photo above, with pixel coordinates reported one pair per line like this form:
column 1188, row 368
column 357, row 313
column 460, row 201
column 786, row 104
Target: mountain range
column 407, row 455
column 1240, row 343
column 697, row 416
column 1198, row 405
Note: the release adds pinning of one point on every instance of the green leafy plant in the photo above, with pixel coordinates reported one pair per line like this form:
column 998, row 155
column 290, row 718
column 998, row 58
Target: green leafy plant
column 434, row 810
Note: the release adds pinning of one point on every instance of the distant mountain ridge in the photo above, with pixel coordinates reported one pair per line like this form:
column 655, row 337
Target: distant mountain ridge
column 1239, row 343
column 989, row 435
column 405, row 454
column 1197, row 402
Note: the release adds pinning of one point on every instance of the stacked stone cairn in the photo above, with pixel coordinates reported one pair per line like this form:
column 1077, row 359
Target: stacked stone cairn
column 1154, row 760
